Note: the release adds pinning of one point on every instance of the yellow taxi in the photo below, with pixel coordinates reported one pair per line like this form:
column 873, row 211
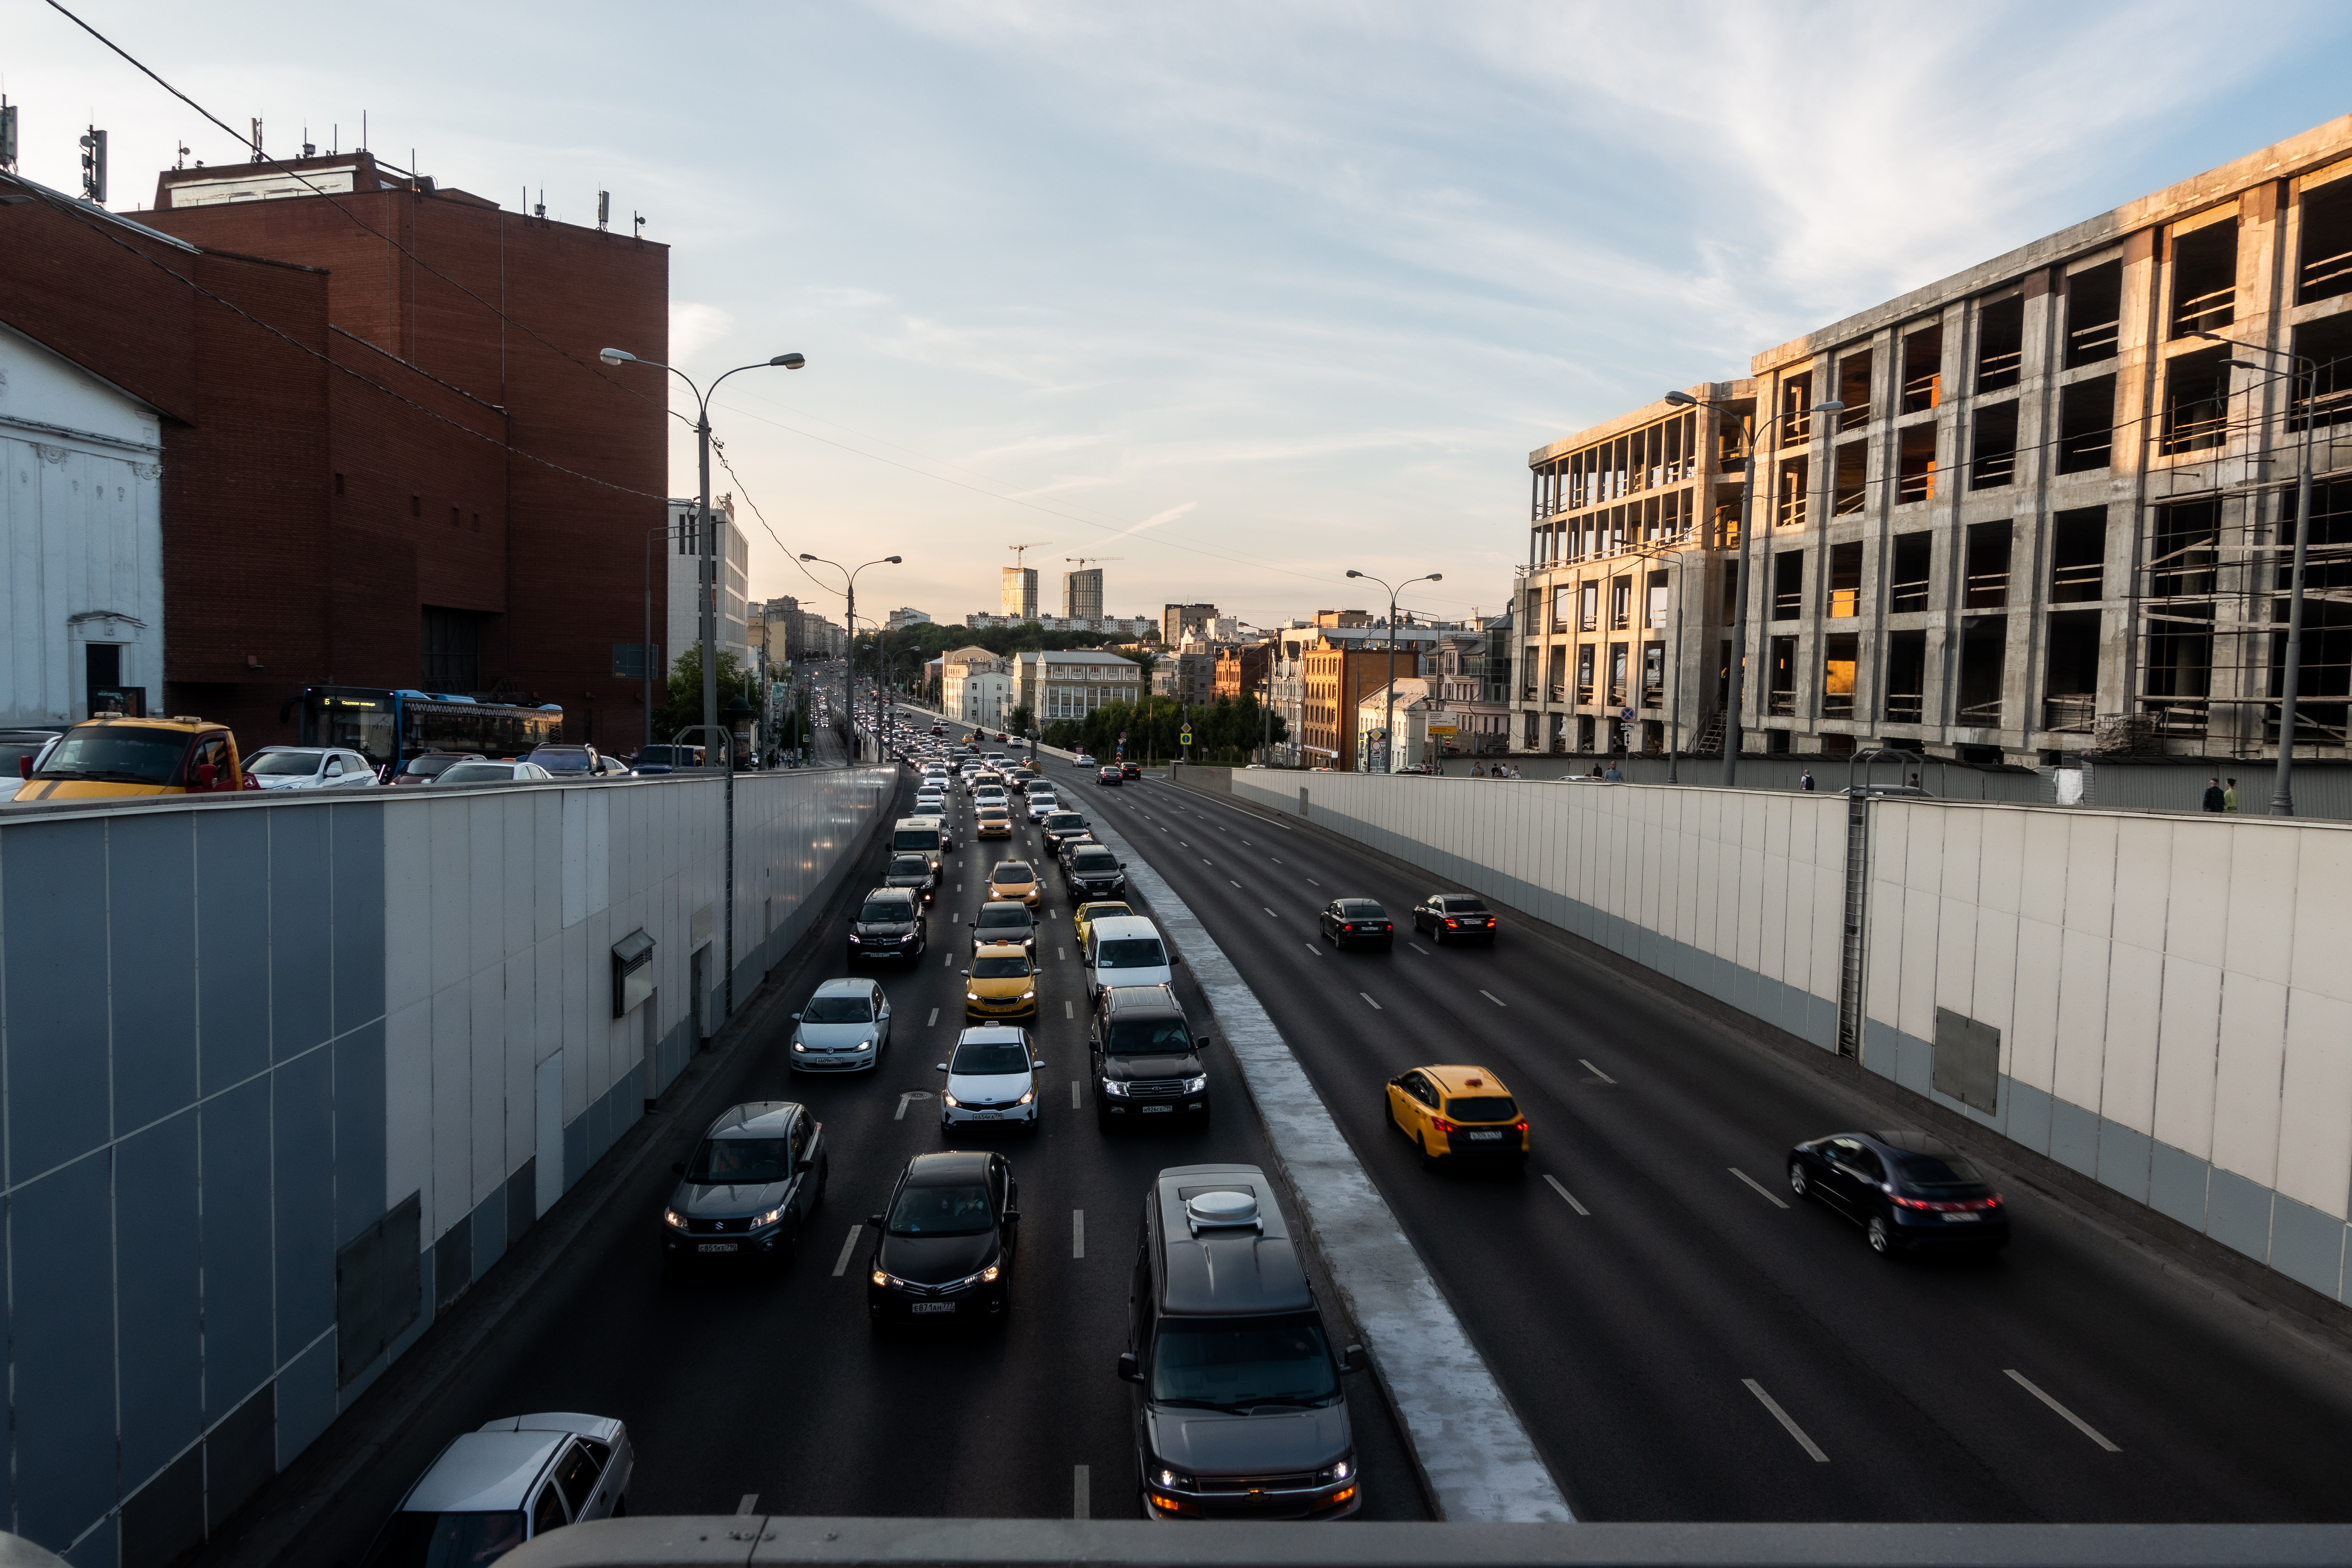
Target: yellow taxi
column 993, row 822
column 1083, row 917
column 112, row 757
column 1000, row 984
column 1459, row 1116
column 1015, row 879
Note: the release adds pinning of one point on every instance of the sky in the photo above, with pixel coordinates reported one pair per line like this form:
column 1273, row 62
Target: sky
column 1230, row 297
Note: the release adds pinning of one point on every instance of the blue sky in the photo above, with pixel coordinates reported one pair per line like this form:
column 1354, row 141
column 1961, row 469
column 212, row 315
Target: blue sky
column 1241, row 295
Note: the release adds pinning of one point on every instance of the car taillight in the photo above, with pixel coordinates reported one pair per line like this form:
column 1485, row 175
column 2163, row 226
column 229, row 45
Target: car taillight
column 1443, row 1125
column 1450, row 921
column 1520, row 1125
column 1348, row 927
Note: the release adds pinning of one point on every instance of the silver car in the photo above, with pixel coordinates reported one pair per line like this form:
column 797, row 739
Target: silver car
column 492, row 772
column 517, row 1477
column 992, row 1078
column 1043, row 803
column 310, row 767
column 846, row 1027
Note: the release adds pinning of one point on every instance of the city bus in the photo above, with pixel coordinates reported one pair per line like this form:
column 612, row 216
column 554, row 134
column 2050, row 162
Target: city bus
column 388, row 728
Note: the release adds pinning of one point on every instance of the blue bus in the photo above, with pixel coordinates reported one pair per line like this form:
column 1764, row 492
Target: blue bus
column 388, row 728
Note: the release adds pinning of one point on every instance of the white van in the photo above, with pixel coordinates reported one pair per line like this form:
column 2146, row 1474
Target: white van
column 1126, row 950
column 922, row 836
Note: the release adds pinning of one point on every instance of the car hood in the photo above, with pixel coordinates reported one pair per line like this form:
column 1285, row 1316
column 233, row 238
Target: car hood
column 1212, row 1442
column 996, row 1088
column 1120, row 1069
column 935, row 1259
column 697, row 1201
column 883, row 928
column 834, row 1035
column 285, row 780
column 907, row 879
column 983, row 935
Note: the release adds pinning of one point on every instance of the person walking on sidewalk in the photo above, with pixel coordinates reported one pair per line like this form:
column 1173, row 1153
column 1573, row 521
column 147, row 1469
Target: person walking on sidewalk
column 2229, row 797
column 2214, row 798
column 1806, row 782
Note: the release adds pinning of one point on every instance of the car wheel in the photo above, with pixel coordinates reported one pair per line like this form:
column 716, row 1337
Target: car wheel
column 1797, row 1183
column 621, row 1506
column 1881, row 1240
column 1428, row 1160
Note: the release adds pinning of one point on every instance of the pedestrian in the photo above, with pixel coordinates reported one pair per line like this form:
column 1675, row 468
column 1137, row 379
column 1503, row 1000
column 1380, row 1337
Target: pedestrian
column 2214, row 798
column 2229, row 797
column 1914, row 781
column 1614, row 775
column 1806, row 782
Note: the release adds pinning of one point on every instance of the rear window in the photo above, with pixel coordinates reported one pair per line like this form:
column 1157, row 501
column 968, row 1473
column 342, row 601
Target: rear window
column 1483, row 1107
column 1937, row 1170
column 914, row 839
column 478, row 773
column 1130, row 953
column 1460, row 906
column 1360, row 910
column 301, row 763
column 909, row 866
column 562, row 759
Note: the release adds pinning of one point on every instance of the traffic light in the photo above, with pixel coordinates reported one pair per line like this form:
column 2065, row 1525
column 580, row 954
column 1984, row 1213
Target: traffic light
column 93, row 165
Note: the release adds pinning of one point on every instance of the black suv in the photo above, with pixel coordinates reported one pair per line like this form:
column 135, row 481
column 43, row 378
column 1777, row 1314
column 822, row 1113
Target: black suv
column 1145, row 1058
column 1061, row 824
column 911, row 873
column 1092, row 871
column 890, row 924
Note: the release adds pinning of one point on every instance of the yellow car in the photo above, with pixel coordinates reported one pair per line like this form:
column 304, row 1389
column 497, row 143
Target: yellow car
column 1083, row 917
column 1459, row 1116
column 993, row 822
column 115, row 757
column 1000, row 984
column 1015, row 879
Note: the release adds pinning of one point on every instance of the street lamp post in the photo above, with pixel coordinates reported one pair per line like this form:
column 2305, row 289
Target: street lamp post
column 709, row 594
column 1388, row 722
column 849, row 680
column 1747, row 536
column 2290, row 679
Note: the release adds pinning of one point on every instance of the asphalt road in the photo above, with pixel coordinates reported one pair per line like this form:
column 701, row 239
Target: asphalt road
column 736, row 1384
column 1641, row 1327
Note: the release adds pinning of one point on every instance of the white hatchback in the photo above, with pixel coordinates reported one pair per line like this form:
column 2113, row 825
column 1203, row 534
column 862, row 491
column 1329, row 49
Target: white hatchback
column 992, row 1078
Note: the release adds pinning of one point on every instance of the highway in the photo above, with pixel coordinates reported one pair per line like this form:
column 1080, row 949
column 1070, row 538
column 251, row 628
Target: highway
column 1683, row 1340
column 773, row 1386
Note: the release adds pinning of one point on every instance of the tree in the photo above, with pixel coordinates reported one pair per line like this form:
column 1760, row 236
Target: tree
column 1018, row 721
column 682, row 702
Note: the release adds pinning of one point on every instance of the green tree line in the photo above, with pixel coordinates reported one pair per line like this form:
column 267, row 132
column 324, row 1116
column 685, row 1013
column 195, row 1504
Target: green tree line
column 1225, row 730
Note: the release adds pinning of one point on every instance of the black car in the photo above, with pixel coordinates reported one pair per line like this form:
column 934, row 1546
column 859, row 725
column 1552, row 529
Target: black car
column 1146, row 1061
column 1130, row 770
column 753, row 1181
column 1454, row 917
column 1108, row 776
column 890, row 924
column 1092, row 871
column 1909, row 1192
column 912, row 872
column 1004, row 920
column 1356, row 923
column 1063, row 825
column 947, row 1241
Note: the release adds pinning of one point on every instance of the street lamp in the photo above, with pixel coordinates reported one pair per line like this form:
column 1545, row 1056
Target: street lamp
column 2290, row 682
column 709, row 594
column 1387, row 723
column 1746, row 534
column 849, row 676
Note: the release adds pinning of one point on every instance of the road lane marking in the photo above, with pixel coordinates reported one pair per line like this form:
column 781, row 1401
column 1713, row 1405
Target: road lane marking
column 1781, row 1416
column 1276, row 859
column 2085, row 1428
column 1367, row 996
column 841, row 1264
column 1418, row 947
column 1497, row 1001
column 932, row 1022
column 1229, row 879
column 750, row 1504
column 1769, row 1195
column 1313, row 883
column 1075, row 1101
column 1269, row 911
column 910, row 1095
column 1586, row 1064
column 1563, row 1192
column 955, row 916
column 947, row 961
column 1081, row 1493
column 1315, row 949
column 1062, row 954
column 1078, row 1233
column 1066, row 1008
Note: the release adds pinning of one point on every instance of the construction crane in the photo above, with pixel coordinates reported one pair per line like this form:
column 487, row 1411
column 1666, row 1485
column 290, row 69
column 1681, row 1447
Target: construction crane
column 1082, row 560
column 1017, row 549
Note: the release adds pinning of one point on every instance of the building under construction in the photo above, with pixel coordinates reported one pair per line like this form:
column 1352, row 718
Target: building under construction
column 2055, row 514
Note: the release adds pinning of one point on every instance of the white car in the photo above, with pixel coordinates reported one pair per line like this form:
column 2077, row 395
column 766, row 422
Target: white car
column 493, row 772
column 846, row 1027
column 1085, row 760
column 310, row 767
column 992, row 1078
column 1041, row 802
column 517, row 1477
column 990, row 794
column 930, row 802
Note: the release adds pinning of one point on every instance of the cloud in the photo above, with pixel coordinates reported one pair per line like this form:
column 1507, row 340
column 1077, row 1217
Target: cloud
column 694, row 327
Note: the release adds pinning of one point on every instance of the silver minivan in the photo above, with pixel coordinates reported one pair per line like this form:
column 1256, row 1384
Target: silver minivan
column 1126, row 949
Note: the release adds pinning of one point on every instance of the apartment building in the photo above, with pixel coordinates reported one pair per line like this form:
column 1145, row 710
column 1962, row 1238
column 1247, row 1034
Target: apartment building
column 2054, row 513
column 1333, row 678
column 975, row 687
column 1074, row 683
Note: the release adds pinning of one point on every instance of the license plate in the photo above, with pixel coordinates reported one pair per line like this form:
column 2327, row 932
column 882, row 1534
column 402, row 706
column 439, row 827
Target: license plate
column 1962, row 1218
column 717, row 1246
column 988, row 1116
column 1483, row 1137
column 932, row 1307
column 1155, row 1110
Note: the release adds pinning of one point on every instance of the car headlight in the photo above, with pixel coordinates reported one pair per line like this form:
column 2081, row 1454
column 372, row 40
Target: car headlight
column 988, row 1275
column 1174, row 1481
column 1195, row 1085
column 950, row 1101
column 1113, row 1088
column 865, row 1044
column 971, row 995
column 771, row 1218
column 1333, row 1474
column 882, row 1279
column 675, row 1218
column 854, row 937
column 799, row 1047
column 1026, row 1096
column 1030, row 995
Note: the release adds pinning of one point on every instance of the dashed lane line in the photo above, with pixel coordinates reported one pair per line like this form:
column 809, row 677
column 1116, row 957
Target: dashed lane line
column 749, row 1503
column 1066, row 1008
column 1229, row 879
column 1490, row 996
column 1315, row 949
column 1418, row 947
column 849, row 1246
column 1785, row 1420
column 2085, row 1428
column 1082, row 1491
column 1586, row 1063
column 1270, row 913
column 1769, row 1194
column 1367, row 996
column 932, row 1022
column 1564, row 1193
column 1074, row 1102
column 1078, row 1233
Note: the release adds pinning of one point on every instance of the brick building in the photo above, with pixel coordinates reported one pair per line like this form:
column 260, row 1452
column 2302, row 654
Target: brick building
column 1243, row 670
column 1334, row 676
column 345, row 496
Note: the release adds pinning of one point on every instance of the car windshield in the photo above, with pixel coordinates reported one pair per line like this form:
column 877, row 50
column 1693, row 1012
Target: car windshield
column 300, row 764
column 1130, row 953
column 1154, row 1036
column 985, row 1058
column 723, row 1161
column 1237, row 1364
column 1359, row 910
column 886, row 911
column 1013, row 871
column 909, row 866
column 993, row 917
column 942, row 1210
column 1933, row 1171
column 445, row 1540
column 117, row 755
column 1483, row 1107
column 476, row 773
column 1093, row 860
column 839, row 1010
column 430, row 767
column 1056, row 821
column 1011, row 968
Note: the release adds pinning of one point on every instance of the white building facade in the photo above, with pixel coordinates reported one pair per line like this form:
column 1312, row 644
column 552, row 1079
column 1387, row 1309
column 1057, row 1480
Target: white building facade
column 734, row 560
column 81, row 512
column 974, row 686
column 1073, row 684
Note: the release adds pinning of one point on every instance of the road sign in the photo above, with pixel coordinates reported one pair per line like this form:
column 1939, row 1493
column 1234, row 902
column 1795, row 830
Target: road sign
column 1185, row 739
column 1443, row 729
column 1624, row 715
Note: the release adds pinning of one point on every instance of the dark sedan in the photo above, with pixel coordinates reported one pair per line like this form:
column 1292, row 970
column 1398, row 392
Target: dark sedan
column 1454, row 917
column 1357, row 922
column 890, row 924
column 1130, row 770
column 1108, row 776
column 946, row 1246
column 1909, row 1192
column 911, row 872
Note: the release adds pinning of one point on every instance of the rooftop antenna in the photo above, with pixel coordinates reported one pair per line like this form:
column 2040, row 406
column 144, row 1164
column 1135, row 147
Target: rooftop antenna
column 637, row 220
column 363, row 130
column 338, row 138
column 8, row 132
column 309, row 148
column 184, row 155
column 256, row 139
column 603, row 209
column 539, row 211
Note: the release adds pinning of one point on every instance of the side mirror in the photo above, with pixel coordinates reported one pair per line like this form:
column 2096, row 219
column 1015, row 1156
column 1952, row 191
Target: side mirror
column 939, row 1066
column 965, row 972
column 677, row 1169
column 1201, row 1043
column 1353, row 1358
column 1129, row 1368
column 796, row 1017
column 205, row 774
column 873, row 1221
column 1013, row 1216
column 1175, row 958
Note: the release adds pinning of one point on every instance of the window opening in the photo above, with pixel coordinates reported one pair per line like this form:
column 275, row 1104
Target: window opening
column 1987, row 586
column 2094, row 300
column 1854, row 390
column 2001, row 344
column 1906, row 677
column 1795, row 478
column 1923, row 370
column 1841, row 655
column 2205, row 279
column 2069, row 690
column 2324, row 263
column 1915, row 466
column 1984, row 648
column 2330, row 343
column 1584, row 672
column 1787, row 585
column 1796, row 409
column 1783, row 686
column 1907, row 591
column 2196, row 401
column 1845, row 580
column 2086, row 426
column 1849, row 488
column 2078, row 554
column 1992, row 453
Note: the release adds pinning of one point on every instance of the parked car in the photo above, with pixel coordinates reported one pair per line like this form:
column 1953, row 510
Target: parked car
column 890, row 924
column 845, row 1027
column 491, row 772
column 1454, row 917
column 517, row 1478
column 1145, row 1058
column 1459, row 1116
column 1909, row 1192
column 1356, row 923
column 425, row 766
column 310, row 767
column 991, row 1078
column 944, row 1246
column 749, row 1187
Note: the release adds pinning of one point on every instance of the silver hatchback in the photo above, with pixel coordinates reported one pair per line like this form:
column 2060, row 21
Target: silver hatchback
column 515, row 1479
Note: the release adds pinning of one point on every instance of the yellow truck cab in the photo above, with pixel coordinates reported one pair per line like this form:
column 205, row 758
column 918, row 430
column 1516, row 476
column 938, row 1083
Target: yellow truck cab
column 115, row 757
